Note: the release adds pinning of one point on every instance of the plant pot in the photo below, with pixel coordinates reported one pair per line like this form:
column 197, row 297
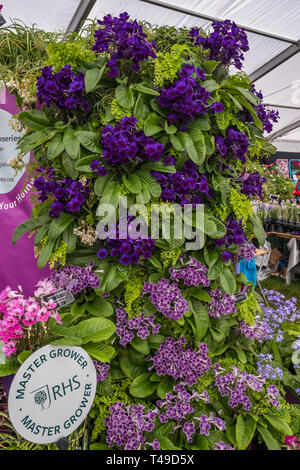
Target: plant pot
column 284, row 225
column 6, row 382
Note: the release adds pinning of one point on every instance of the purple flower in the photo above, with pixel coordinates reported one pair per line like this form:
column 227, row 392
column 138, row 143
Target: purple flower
column 68, row 195
column 185, row 187
column 101, row 370
column 220, row 305
column 102, row 253
column 75, row 278
column 193, row 273
column 181, row 362
column 185, row 98
column 166, row 298
column 125, row 425
column 64, row 89
column 226, row 43
column 139, row 325
column 123, row 40
column 226, row 255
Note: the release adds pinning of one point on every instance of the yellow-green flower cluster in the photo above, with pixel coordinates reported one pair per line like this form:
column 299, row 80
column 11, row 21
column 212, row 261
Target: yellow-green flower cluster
column 133, row 289
column 118, row 111
column 241, row 206
column 58, row 256
column 170, row 257
column 248, row 310
column 166, row 66
column 68, row 52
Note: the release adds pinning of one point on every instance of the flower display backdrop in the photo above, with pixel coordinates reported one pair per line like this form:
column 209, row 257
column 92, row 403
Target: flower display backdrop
column 156, row 116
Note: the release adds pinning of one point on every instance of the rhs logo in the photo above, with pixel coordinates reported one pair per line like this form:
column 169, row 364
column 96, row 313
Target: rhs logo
column 42, row 395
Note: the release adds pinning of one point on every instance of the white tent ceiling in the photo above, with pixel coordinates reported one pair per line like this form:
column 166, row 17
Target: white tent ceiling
column 272, row 27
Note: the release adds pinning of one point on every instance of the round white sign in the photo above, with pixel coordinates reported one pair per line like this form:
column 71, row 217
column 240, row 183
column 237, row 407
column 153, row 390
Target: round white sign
column 52, row 393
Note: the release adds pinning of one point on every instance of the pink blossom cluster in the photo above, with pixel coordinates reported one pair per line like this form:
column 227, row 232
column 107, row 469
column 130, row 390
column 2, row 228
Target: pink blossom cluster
column 18, row 312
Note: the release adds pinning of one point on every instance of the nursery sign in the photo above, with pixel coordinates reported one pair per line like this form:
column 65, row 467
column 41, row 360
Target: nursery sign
column 52, row 393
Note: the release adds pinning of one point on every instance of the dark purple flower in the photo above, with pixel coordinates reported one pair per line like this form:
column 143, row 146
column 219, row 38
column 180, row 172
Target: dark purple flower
column 123, row 40
column 226, row 43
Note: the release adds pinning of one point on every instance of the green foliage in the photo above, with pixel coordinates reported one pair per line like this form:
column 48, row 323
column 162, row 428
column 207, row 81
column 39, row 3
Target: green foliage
column 248, row 309
column 166, row 66
column 241, row 206
column 70, row 52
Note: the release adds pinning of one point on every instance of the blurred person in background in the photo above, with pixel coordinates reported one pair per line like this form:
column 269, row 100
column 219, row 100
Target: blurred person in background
column 297, row 188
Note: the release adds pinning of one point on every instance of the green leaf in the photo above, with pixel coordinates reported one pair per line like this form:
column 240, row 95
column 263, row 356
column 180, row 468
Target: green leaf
column 213, row 227
column 124, row 96
column 68, row 165
column 143, row 89
column 210, row 256
column 176, row 143
column 152, row 124
column 270, row 441
column 132, row 183
column 210, row 85
column 58, row 225
column 68, row 341
column 144, row 196
column 34, row 140
column 142, row 387
column 27, row 226
column 100, row 308
column 111, row 194
column 23, row 356
column 71, row 143
column 199, row 442
column 227, row 280
column 252, row 111
column 140, row 345
column 34, row 119
column 42, row 231
column 165, row 386
column 170, row 128
column 249, row 96
column 45, row 254
column 241, row 355
column 215, row 270
column 166, row 443
column 56, row 147
column 84, row 164
column 157, row 166
column 211, row 65
column 244, row 431
column 101, row 352
column 94, row 329
column 100, row 184
column 128, row 368
column 150, row 182
column 209, row 144
column 92, row 78
column 258, row 229
column 199, row 293
column 189, row 145
column 279, row 424
column 201, row 319
column 89, row 140
column 111, row 279
column 8, row 369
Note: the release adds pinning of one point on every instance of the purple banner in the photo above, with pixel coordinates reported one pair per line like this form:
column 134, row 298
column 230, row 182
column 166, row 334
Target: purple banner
column 18, row 265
